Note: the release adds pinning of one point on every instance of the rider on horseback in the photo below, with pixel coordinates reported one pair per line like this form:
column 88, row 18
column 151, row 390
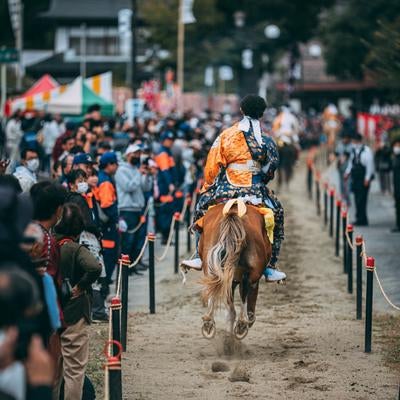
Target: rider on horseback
column 240, row 164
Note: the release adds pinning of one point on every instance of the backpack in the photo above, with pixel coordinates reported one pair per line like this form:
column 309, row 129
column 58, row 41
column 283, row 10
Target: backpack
column 358, row 170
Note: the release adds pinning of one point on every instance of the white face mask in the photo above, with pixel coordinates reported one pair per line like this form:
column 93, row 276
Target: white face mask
column 82, row 187
column 396, row 150
column 33, row 164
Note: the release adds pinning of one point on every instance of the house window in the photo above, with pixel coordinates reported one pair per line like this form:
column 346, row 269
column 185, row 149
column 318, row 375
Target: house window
column 96, row 45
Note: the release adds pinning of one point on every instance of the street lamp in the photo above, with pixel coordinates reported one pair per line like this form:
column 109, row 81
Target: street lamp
column 240, row 19
column 272, row 32
column 315, row 50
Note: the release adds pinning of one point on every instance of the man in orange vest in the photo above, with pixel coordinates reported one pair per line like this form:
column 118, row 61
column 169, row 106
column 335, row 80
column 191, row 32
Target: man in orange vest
column 106, row 195
column 166, row 183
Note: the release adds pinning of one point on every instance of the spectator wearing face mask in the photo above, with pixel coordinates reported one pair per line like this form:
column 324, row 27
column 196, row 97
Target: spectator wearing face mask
column 132, row 180
column 26, row 172
column 396, row 181
column 82, row 269
column 79, row 194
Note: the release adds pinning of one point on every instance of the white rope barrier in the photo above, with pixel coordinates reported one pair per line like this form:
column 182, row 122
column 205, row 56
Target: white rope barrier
column 142, row 219
column 118, row 291
column 134, row 263
column 183, row 211
column 351, row 245
column 363, row 255
column 383, row 292
column 386, row 297
column 171, row 233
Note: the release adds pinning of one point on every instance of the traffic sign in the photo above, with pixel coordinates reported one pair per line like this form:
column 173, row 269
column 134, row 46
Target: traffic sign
column 8, row 55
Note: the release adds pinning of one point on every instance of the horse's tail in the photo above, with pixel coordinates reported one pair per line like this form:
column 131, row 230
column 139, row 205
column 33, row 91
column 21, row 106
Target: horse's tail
column 222, row 259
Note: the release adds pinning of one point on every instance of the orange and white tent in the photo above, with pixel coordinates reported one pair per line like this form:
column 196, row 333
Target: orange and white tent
column 48, row 89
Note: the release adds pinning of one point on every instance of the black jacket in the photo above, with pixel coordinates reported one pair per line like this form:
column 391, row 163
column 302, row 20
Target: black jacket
column 396, row 176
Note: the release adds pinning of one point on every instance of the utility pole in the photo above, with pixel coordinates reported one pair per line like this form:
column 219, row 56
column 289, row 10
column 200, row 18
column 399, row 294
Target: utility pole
column 133, row 49
column 83, row 51
column 3, row 88
column 181, row 54
column 20, row 46
column 181, row 48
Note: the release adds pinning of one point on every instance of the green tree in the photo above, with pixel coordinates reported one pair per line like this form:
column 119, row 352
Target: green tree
column 214, row 39
column 348, row 28
column 383, row 59
column 37, row 35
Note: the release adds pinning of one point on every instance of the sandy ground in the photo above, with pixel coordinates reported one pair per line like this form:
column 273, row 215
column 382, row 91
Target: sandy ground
column 305, row 344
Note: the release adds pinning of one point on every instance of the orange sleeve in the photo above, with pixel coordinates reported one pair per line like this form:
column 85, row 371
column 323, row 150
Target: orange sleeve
column 277, row 123
column 163, row 161
column 106, row 194
column 215, row 160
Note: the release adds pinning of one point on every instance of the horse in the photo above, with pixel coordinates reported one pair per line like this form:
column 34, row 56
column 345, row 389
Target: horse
column 234, row 249
column 287, row 159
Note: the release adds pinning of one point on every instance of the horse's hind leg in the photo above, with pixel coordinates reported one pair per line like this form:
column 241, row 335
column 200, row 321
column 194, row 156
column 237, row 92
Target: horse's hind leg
column 251, row 302
column 208, row 329
column 231, row 312
column 242, row 325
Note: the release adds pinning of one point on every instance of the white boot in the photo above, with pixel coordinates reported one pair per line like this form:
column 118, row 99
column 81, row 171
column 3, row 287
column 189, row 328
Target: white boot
column 194, row 264
column 273, row 275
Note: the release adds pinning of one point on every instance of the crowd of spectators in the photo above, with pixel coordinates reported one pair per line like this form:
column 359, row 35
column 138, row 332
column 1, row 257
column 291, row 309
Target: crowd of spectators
column 73, row 197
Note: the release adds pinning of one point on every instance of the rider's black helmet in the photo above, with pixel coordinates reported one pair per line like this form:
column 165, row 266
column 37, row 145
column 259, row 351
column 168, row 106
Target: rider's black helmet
column 253, row 106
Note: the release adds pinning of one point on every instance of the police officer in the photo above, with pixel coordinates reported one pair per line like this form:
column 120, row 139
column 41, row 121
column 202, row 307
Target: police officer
column 361, row 172
column 166, row 184
column 106, row 195
column 396, row 181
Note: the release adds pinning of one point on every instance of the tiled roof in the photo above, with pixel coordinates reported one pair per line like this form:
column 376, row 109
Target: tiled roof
column 86, row 9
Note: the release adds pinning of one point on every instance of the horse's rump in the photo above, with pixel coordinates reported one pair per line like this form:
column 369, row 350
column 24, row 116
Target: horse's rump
column 230, row 242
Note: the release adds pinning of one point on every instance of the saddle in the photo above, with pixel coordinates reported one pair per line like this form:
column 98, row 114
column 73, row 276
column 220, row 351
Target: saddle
column 266, row 212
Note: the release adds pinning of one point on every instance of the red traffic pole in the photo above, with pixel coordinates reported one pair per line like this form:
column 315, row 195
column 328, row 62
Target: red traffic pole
column 325, row 203
column 344, row 226
column 115, row 308
column 125, row 262
column 370, row 267
column 349, row 259
column 318, row 192
column 359, row 243
column 177, row 217
column 114, row 371
column 337, row 232
column 331, row 210
column 152, row 300
column 188, row 222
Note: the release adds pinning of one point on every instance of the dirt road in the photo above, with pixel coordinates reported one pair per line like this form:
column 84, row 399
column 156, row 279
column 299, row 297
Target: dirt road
column 305, row 344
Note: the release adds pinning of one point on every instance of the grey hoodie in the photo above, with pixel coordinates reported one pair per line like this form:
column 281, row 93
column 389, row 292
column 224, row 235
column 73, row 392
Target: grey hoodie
column 130, row 186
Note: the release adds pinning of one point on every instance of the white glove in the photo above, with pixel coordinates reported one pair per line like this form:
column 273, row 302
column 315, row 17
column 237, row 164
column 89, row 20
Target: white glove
column 122, row 226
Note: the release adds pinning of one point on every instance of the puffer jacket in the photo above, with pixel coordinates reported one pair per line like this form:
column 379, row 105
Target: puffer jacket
column 130, row 187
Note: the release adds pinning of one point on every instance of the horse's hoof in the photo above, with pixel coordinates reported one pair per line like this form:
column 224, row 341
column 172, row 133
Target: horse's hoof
column 241, row 330
column 208, row 329
column 252, row 319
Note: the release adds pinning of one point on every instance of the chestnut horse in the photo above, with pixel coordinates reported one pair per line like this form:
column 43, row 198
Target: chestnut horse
column 235, row 249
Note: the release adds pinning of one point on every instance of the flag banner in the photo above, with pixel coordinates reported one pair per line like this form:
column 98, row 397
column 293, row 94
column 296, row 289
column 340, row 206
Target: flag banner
column 187, row 16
